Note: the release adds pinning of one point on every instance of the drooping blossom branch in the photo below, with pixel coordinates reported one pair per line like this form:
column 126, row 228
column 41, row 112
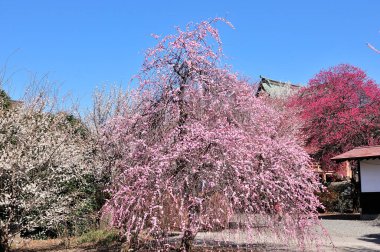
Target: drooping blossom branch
column 200, row 148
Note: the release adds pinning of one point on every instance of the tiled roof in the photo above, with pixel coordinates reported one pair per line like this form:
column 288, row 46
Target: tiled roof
column 276, row 88
column 15, row 103
column 364, row 152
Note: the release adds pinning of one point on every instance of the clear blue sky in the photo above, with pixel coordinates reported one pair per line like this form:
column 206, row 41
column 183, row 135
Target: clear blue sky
column 83, row 44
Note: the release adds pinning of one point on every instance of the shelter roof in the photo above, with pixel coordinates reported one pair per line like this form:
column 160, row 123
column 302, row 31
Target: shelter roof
column 364, row 152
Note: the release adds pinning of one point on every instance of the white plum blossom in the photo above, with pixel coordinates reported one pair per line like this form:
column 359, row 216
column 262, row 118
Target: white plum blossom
column 45, row 156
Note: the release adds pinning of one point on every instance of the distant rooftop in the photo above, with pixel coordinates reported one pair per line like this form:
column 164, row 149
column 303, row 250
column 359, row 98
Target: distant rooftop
column 364, row 152
column 275, row 88
column 15, row 103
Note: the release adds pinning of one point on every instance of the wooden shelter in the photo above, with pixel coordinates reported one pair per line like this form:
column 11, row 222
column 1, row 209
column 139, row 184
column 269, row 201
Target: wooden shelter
column 368, row 158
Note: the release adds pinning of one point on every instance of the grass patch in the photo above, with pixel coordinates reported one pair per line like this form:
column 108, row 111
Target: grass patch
column 101, row 236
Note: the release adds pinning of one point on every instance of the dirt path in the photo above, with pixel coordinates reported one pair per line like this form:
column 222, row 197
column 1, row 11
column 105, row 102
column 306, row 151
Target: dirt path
column 59, row 245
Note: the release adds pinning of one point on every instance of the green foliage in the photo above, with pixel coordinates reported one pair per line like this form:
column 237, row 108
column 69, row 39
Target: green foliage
column 5, row 100
column 89, row 201
column 78, row 125
column 338, row 197
column 100, row 236
column 329, row 200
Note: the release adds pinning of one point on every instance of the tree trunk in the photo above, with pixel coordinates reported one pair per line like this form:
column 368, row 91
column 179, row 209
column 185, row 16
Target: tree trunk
column 188, row 235
column 134, row 242
column 187, row 241
column 4, row 246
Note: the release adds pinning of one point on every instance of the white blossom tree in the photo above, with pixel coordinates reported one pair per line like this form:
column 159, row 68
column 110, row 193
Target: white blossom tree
column 45, row 157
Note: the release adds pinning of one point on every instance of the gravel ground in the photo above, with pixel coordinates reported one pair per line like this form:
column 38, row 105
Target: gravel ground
column 354, row 235
column 346, row 235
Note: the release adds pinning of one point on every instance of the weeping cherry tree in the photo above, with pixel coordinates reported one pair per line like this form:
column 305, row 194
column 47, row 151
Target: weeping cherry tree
column 198, row 148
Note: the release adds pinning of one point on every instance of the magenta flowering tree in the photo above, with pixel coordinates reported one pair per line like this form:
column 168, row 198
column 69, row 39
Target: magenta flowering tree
column 341, row 109
column 198, row 148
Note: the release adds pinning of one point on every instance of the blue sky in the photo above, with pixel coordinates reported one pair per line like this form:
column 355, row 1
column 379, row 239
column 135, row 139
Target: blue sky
column 84, row 44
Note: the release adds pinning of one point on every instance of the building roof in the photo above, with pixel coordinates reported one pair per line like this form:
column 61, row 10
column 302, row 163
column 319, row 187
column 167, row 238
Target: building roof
column 275, row 88
column 364, row 152
column 15, row 103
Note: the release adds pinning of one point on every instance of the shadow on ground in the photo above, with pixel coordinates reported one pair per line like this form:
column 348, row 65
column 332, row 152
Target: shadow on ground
column 374, row 238
column 209, row 245
column 340, row 216
column 358, row 249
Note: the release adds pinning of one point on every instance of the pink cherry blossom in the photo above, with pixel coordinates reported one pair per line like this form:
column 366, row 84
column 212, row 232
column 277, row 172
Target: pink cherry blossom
column 197, row 134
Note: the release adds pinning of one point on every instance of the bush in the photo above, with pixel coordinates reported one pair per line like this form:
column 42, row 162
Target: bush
column 329, row 200
column 339, row 197
column 101, row 236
